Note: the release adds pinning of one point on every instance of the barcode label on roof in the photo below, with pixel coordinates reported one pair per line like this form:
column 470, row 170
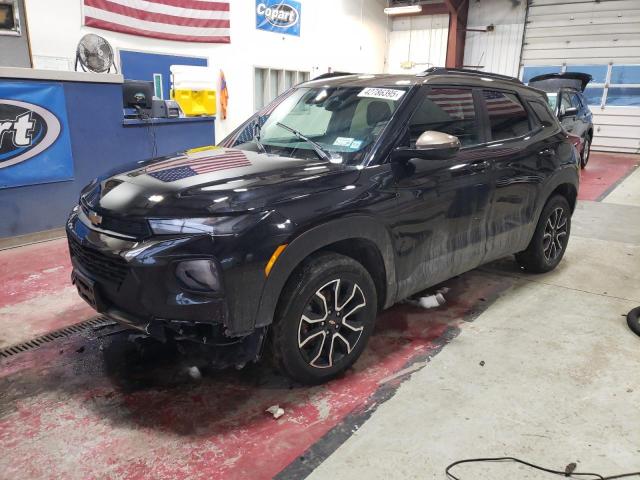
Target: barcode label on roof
column 385, row 93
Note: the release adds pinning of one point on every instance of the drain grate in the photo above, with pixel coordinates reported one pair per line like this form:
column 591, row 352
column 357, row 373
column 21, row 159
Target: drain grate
column 51, row 336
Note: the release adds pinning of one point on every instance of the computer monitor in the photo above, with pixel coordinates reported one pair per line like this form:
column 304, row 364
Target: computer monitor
column 137, row 93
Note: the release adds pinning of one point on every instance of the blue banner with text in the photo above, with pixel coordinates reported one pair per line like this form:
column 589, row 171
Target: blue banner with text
column 34, row 134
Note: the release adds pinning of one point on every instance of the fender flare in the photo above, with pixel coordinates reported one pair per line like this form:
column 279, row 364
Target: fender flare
column 314, row 239
column 567, row 176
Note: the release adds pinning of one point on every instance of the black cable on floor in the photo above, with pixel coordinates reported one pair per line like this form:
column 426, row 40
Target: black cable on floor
column 568, row 473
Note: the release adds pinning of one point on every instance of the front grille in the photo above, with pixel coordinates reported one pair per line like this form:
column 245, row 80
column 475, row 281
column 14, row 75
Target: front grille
column 138, row 228
column 134, row 228
column 97, row 263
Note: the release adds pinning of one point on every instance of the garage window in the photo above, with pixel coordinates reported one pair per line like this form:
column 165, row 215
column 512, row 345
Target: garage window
column 268, row 83
column 624, row 88
column 595, row 89
column 507, row 116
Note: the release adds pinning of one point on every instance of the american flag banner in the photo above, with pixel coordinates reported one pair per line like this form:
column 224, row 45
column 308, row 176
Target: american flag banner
column 205, row 21
column 191, row 165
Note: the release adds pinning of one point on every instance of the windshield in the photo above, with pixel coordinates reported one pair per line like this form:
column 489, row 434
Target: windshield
column 338, row 124
column 552, row 99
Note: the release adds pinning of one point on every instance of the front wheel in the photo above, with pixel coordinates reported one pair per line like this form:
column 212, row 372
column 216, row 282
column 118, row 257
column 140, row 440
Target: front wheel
column 550, row 238
column 324, row 318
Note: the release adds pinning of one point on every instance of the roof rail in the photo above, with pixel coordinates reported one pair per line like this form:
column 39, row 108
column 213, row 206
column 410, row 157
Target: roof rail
column 332, row 74
column 467, row 71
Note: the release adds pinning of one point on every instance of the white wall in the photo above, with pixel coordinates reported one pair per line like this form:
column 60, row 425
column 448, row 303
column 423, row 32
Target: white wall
column 497, row 51
column 421, row 39
column 346, row 35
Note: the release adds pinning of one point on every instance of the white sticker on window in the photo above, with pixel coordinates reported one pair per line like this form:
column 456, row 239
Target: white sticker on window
column 356, row 144
column 343, row 141
column 386, row 93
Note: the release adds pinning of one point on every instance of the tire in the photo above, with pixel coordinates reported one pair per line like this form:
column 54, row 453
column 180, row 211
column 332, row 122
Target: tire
column 633, row 320
column 312, row 341
column 550, row 238
column 586, row 151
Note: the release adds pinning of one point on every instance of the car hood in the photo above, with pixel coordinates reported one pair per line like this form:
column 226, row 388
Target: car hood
column 553, row 82
column 210, row 181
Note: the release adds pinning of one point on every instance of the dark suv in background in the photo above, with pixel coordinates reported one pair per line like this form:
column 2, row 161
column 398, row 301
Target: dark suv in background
column 565, row 92
column 342, row 197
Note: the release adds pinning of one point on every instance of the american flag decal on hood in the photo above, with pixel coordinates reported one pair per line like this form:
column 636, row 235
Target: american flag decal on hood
column 197, row 164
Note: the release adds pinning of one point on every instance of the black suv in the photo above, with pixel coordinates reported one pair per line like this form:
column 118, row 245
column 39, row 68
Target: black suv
column 343, row 196
column 565, row 93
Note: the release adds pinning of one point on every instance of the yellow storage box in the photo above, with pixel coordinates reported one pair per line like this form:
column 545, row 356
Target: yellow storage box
column 196, row 102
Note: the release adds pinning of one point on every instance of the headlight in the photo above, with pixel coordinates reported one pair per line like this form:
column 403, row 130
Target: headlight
column 211, row 225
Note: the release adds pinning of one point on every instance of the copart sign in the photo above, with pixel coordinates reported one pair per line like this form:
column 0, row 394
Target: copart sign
column 281, row 16
column 34, row 142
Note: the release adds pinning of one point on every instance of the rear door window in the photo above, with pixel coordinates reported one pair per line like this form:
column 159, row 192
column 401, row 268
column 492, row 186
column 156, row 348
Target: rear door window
column 447, row 110
column 507, row 116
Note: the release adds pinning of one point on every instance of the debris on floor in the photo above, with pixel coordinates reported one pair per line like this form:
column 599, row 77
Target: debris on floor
column 430, row 301
column 194, row 373
column 276, row 411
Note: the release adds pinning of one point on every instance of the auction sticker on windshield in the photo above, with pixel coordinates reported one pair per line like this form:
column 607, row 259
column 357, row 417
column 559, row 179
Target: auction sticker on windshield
column 386, row 93
column 343, row 142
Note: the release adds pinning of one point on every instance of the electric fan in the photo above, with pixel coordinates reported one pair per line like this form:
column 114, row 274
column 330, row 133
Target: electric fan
column 94, row 54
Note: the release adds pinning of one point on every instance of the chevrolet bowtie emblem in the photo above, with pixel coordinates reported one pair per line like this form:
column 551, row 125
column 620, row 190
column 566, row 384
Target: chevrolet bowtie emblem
column 94, row 218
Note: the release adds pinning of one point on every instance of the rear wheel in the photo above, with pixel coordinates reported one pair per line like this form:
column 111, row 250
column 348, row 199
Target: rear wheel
column 550, row 238
column 324, row 319
column 586, row 151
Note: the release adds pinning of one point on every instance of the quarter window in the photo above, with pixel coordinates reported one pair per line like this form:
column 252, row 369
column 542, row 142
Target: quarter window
column 543, row 113
column 507, row 116
column 447, row 110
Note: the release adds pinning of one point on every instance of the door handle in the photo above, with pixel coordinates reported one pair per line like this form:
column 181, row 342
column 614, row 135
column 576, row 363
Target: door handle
column 479, row 166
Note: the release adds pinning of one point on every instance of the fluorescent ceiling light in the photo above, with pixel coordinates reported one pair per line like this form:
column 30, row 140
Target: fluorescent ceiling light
column 403, row 10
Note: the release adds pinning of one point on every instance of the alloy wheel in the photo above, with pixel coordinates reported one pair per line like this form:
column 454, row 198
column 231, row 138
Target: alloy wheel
column 555, row 233
column 332, row 323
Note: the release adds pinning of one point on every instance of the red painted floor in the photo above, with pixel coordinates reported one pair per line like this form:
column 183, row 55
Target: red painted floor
column 603, row 172
column 107, row 411
column 36, row 296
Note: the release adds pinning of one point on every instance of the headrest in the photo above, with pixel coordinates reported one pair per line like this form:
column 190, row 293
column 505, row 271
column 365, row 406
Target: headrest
column 378, row 111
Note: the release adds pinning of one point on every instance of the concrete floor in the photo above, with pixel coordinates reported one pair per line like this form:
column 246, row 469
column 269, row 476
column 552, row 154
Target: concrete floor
column 540, row 367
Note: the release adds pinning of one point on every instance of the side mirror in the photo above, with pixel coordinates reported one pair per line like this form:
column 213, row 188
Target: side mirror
column 430, row 145
column 569, row 112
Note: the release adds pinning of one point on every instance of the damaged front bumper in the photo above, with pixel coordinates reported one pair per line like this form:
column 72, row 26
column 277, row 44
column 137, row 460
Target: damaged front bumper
column 164, row 287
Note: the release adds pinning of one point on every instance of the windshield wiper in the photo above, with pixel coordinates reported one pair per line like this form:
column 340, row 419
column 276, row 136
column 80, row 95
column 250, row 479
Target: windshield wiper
column 322, row 153
column 259, row 144
column 256, row 140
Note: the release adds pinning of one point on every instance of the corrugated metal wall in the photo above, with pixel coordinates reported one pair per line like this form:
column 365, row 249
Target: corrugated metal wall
column 573, row 33
column 497, row 51
column 421, row 39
